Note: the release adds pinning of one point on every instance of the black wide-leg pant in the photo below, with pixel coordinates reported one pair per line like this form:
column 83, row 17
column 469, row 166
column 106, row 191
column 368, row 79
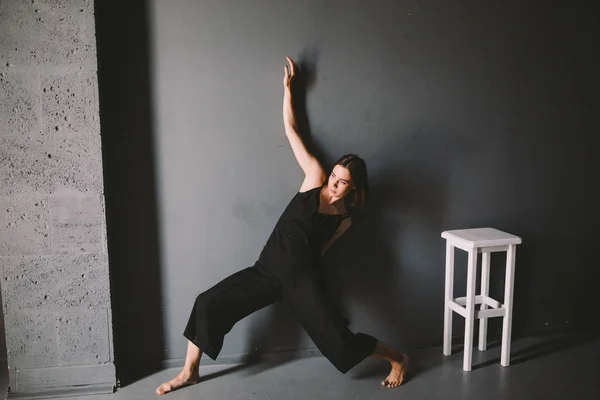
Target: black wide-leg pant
column 216, row 310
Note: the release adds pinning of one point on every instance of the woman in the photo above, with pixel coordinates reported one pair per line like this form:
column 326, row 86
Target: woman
column 288, row 270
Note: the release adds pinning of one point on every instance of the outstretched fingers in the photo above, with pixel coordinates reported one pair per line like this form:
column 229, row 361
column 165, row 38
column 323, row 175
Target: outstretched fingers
column 292, row 66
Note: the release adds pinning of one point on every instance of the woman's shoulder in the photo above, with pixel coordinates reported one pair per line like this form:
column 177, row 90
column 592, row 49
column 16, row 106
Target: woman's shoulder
column 312, row 182
column 304, row 193
column 311, row 186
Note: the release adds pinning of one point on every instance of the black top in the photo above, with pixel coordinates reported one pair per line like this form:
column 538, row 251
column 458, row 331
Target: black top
column 299, row 234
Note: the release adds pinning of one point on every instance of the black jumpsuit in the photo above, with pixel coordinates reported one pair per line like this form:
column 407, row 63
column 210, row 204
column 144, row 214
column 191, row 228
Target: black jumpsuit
column 287, row 271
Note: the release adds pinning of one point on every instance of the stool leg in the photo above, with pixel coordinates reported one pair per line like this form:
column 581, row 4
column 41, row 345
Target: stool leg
column 470, row 308
column 448, row 297
column 508, row 305
column 485, row 291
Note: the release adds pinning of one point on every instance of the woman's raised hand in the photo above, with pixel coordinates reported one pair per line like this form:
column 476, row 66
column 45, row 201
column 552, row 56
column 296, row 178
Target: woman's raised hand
column 289, row 73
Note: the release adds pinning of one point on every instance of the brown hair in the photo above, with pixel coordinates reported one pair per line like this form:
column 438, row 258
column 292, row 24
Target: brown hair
column 358, row 172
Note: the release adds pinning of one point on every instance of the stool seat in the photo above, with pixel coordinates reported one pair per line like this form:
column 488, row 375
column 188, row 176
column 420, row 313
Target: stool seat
column 474, row 242
column 481, row 237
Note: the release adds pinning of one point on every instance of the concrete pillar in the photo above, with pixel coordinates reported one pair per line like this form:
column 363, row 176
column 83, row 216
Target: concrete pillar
column 53, row 253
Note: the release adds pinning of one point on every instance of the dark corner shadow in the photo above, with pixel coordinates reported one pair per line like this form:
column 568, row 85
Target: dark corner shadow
column 124, row 58
column 3, row 350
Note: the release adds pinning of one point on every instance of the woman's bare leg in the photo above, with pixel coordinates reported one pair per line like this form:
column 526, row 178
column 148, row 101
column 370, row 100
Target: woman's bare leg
column 399, row 363
column 188, row 375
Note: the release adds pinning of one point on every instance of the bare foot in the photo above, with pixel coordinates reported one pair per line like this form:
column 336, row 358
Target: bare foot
column 185, row 378
column 396, row 375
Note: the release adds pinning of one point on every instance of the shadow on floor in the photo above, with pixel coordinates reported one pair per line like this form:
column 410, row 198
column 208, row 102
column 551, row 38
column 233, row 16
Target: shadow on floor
column 423, row 360
column 547, row 346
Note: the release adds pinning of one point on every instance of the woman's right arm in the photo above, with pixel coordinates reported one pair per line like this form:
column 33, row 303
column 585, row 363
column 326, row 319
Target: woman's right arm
column 313, row 172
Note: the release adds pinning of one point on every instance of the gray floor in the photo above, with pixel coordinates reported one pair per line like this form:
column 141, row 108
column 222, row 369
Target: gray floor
column 542, row 368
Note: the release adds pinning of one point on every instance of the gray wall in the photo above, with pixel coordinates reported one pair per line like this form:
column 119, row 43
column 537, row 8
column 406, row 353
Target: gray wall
column 53, row 257
column 468, row 114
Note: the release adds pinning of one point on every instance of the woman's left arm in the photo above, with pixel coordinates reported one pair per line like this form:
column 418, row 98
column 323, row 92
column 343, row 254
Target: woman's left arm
column 344, row 225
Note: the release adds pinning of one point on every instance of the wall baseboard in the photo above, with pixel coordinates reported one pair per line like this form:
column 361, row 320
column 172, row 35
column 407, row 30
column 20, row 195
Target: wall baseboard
column 87, row 390
column 244, row 358
column 34, row 383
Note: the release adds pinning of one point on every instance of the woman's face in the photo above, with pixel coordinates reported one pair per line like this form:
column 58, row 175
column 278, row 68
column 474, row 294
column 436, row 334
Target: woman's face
column 340, row 182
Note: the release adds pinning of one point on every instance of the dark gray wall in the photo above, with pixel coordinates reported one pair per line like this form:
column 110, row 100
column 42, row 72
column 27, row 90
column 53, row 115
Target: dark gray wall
column 468, row 114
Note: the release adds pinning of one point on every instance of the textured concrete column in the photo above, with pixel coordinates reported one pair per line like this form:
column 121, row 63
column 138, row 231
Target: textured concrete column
column 53, row 255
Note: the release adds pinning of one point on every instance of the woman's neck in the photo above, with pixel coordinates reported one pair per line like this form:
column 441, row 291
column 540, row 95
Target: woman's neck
column 329, row 201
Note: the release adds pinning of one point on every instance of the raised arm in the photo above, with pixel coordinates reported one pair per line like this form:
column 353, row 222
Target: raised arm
column 314, row 175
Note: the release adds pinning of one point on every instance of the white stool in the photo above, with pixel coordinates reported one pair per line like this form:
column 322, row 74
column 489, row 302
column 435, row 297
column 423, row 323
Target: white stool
column 474, row 241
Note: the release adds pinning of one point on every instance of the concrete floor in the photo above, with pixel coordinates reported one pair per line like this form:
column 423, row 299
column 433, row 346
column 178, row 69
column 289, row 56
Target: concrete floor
column 542, row 368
